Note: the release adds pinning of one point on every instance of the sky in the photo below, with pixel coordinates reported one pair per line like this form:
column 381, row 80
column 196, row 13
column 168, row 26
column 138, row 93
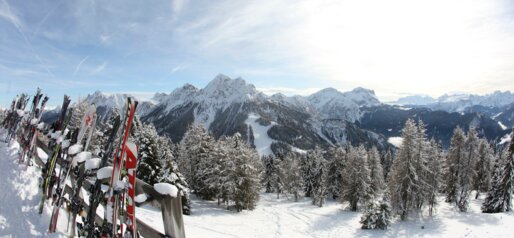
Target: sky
column 395, row 47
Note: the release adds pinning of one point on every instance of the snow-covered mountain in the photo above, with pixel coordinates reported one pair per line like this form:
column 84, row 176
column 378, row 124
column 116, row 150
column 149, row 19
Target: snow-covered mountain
column 226, row 106
column 328, row 117
column 459, row 102
column 418, row 99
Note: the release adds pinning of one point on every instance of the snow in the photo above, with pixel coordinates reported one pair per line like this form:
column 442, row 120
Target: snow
column 41, row 154
column 284, row 218
column 502, row 126
column 298, row 150
column 34, row 121
column 505, row 139
column 93, row 163
column 262, row 141
column 140, row 198
column 396, row 141
column 41, row 126
column 104, row 172
column 20, row 112
column 166, row 189
column 497, row 115
column 20, row 198
column 271, row 218
column 74, row 149
column 55, row 135
column 82, row 156
column 65, row 144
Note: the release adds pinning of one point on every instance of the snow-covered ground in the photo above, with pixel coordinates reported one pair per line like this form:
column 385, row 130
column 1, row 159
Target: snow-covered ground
column 284, row 218
column 19, row 198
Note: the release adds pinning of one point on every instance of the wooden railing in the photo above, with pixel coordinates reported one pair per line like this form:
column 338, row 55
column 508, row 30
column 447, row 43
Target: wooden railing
column 171, row 207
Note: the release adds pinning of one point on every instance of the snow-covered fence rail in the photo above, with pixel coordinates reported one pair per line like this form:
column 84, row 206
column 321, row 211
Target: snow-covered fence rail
column 171, row 207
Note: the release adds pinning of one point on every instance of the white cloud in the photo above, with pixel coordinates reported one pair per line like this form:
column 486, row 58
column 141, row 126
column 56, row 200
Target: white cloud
column 98, row 69
column 78, row 65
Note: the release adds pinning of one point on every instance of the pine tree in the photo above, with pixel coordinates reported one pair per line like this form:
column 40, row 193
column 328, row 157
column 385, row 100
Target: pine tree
column 294, row 180
column 387, row 162
column 170, row 172
column 453, row 162
column 404, row 181
column 433, row 180
column 356, row 178
column 376, row 172
column 499, row 199
column 482, row 180
column 269, row 168
column 319, row 191
column 247, row 174
column 466, row 172
column 337, row 158
column 148, row 162
column 278, row 175
column 194, row 158
column 308, row 170
column 377, row 216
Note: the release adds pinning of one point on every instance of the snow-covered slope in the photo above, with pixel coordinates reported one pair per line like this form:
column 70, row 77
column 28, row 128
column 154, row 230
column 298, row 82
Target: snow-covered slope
column 284, row 218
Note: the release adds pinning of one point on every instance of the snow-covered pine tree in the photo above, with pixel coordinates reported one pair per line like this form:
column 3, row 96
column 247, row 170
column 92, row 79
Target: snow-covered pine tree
column 387, row 162
column 404, row 182
column 194, row 157
column 148, row 163
column 499, row 199
column 294, row 180
column 337, row 160
column 248, row 172
column 466, row 168
column 278, row 175
column 171, row 174
column 378, row 216
column 483, row 168
column 453, row 158
column 356, row 178
column 269, row 168
column 308, row 170
column 224, row 173
column 319, row 191
column 376, row 172
column 422, row 157
column 433, row 180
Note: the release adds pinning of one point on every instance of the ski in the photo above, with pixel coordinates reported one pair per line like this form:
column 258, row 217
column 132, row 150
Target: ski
column 29, row 127
column 50, row 164
column 117, row 186
column 88, row 123
column 95, row 193
column 32, row 146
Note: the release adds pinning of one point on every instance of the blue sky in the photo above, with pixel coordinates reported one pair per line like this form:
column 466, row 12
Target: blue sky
column 395, row 47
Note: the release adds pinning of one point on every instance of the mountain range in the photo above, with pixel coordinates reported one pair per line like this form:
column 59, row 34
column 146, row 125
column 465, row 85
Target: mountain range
column 326, row 118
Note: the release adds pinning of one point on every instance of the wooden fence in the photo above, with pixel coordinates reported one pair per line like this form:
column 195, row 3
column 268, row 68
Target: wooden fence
column 171, row 207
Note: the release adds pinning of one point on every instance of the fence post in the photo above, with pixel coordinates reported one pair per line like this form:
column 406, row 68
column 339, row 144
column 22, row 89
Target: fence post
column 171, row 209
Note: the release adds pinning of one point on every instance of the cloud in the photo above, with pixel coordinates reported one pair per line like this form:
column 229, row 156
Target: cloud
column 5, row 12
column 176, row 68
column 78, row 66
column 98, row 69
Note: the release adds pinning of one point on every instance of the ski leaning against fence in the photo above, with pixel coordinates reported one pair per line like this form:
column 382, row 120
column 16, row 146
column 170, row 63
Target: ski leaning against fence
column 77, row 155
column 120, row 185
